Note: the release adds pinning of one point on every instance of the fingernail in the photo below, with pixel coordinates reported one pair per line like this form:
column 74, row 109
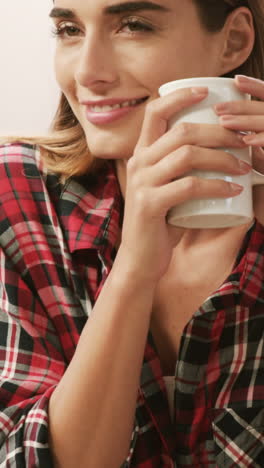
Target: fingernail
column 250, row 139
column 242, row 78
column 199, row 91
column 226, row 118
column 221, row 107
column 248, row 80
column 236, row 188
column 244, row 166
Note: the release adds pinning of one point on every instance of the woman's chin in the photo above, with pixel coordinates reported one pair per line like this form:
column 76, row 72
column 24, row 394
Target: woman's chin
column 109, row 149
column 116, row 141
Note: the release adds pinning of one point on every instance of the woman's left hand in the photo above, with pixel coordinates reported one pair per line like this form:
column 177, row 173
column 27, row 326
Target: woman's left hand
column 248, row 116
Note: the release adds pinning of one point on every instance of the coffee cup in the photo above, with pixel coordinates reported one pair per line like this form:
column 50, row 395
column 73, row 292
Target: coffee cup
column 218, row 212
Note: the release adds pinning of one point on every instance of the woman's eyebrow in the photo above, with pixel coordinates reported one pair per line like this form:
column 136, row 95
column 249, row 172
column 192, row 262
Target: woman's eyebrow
column 130, row 6
column 124, row 7
column 62, row 13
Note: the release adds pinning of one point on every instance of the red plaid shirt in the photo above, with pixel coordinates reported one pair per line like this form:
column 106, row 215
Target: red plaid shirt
column 57, row 247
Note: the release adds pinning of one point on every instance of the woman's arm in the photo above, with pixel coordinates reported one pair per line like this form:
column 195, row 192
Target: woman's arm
column 92, row 410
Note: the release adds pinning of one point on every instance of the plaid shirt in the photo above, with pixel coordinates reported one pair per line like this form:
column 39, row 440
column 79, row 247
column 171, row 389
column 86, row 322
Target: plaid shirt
column 57, row 248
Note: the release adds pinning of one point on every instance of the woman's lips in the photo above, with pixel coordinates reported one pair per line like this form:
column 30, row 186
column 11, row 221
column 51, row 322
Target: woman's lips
column 108, row 111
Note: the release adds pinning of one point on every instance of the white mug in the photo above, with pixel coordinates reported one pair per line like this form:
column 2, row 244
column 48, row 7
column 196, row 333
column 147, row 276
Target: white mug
column 213, row 213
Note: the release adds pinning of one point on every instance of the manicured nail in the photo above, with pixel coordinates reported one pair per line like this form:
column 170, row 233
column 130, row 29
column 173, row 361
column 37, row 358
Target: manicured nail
column 251, row 139
column 226, row 118
column 236, row 188
column 244, row 166
column 242, row 78
column 199, row 91
column 221, row 107
column 248, row 79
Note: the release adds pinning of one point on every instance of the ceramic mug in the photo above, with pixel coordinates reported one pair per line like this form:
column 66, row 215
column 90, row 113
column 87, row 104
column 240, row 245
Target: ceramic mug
column 213, row 213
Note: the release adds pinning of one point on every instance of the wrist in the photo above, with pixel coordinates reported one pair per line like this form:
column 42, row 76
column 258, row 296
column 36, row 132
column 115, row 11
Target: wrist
column 126, row 271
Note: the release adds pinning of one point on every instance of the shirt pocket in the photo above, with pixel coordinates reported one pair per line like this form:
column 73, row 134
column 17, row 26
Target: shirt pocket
column 239, row 437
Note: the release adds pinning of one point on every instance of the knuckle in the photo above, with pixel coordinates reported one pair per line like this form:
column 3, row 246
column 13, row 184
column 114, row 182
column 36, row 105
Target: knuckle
column 131, row 164
column 184, row 129
column 140, row 196
column 191, row 185
column 187, row 155
column 142, row 200
column 135, row 163
column 138, row 160
column 136, row 181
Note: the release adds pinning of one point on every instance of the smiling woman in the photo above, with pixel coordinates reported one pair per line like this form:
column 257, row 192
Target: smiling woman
column 125, row 341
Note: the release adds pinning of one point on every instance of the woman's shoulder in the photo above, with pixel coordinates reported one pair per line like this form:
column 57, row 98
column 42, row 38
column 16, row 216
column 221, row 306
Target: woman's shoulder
column 19, row 160
column 19, row 153
column 21, row 171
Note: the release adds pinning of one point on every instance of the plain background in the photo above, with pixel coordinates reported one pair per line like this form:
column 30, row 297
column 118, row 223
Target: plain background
column 28, row 89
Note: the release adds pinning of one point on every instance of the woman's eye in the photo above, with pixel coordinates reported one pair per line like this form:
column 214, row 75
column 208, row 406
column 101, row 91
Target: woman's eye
column 135, row 25
column 66, row 30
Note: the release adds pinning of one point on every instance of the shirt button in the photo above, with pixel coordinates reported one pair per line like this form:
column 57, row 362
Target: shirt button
column 167, row 461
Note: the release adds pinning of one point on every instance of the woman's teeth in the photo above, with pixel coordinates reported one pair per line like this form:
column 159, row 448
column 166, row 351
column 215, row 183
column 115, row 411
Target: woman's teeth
column 133, row 102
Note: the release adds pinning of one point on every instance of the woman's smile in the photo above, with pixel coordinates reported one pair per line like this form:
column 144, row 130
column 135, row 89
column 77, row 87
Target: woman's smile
column 100, row 112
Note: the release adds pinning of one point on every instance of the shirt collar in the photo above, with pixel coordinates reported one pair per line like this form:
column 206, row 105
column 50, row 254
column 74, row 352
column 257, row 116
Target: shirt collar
column 90, row 210
column 238, row 287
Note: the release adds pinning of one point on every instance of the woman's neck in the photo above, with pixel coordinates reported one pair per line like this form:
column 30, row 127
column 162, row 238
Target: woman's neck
column 207, row 254
column 203, row 238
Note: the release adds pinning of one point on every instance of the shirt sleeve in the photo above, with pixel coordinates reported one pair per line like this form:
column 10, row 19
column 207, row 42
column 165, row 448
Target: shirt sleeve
column 44, row 305
column 30, row 370
column 41, row 314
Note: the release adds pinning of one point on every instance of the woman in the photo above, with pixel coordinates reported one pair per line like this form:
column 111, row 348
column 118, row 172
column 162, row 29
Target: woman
column 161, row 301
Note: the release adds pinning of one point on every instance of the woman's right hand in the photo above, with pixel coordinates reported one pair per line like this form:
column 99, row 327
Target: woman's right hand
column 157, row 180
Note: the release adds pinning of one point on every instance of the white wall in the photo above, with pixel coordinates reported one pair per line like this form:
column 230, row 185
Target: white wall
column 28, row 90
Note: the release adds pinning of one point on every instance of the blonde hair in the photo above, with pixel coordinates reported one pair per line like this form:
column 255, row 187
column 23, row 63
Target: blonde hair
column 65, row 150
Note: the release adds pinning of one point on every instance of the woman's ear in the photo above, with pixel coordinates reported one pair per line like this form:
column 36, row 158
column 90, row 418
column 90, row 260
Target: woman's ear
column 239, row 38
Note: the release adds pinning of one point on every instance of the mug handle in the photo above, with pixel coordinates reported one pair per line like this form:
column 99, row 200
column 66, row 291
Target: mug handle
column 257, row 178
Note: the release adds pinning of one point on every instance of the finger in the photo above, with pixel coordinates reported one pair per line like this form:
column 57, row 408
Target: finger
column 250, row 85
column 258, row 190
column 243, row 123
column 258, row 198
column 254, row 139
column 206, row 135
column 258, row 159
column 159, row 111
column 240, row 108
column 191, row 188
column 188, row 158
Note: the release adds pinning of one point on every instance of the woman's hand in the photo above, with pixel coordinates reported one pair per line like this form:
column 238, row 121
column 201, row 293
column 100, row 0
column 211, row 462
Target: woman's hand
column 157, row 180
column 248, row 116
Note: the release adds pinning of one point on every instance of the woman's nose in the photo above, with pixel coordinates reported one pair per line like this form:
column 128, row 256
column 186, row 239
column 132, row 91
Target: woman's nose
column 95, row 64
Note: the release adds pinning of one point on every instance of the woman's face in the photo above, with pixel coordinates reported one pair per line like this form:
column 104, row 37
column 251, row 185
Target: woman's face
column 112, row 56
